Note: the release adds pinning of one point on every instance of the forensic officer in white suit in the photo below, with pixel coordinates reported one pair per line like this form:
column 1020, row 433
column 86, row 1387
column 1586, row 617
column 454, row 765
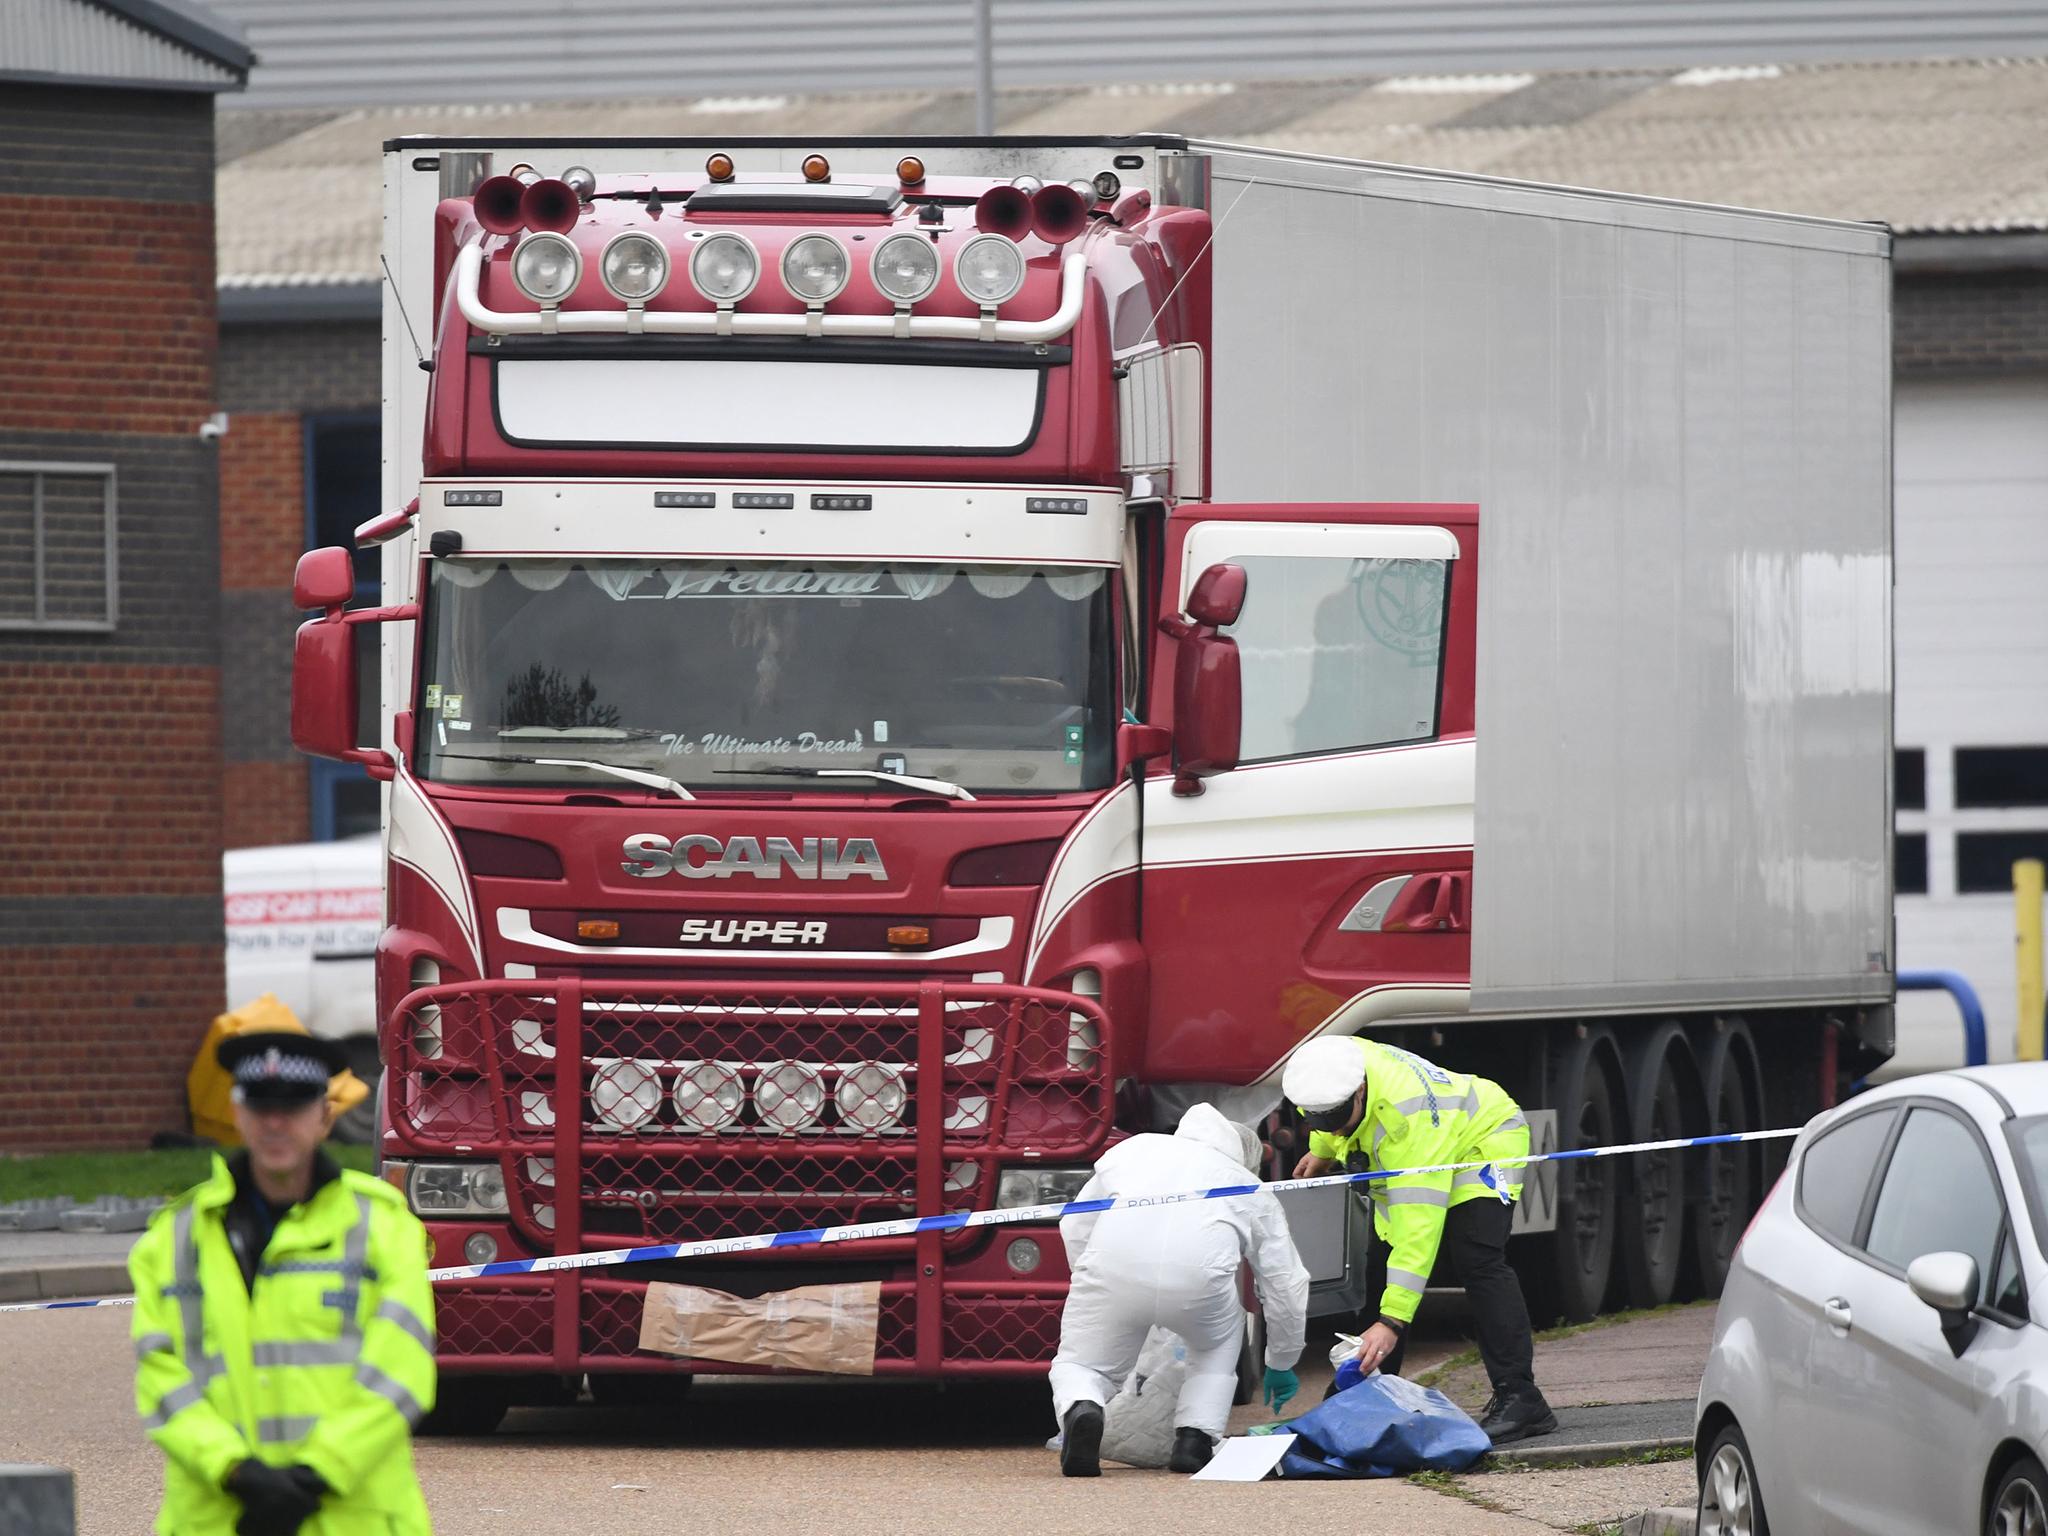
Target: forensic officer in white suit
column 1174, row 1266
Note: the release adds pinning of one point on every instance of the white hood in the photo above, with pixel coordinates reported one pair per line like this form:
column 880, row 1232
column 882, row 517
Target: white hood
column 1204, row 1124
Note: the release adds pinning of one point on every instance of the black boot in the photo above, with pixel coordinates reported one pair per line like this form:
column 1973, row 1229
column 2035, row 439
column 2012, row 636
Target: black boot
column 1191, row 1451
column 1081, row 1450
column 1521, row 1417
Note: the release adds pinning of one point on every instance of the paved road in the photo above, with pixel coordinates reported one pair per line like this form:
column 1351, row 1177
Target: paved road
column 741, row 1457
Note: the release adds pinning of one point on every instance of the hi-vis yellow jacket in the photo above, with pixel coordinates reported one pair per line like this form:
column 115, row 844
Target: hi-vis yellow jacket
column 327, row 1362
column 1417, row 1115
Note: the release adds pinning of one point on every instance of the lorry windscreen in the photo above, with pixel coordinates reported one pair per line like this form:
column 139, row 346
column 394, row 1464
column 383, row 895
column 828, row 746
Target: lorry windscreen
column 996, row 677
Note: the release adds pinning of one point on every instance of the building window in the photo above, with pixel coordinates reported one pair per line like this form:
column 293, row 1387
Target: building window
column 58, row 566
column 1909, row 778
column 1984, row 860
column 1909, row 863
column 1988, row 778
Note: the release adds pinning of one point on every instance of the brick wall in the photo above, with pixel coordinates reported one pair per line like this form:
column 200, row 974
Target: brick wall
column 110, row 790
column 262, row 500
column 266, row 803
column 325, row 366
column 1997, row 323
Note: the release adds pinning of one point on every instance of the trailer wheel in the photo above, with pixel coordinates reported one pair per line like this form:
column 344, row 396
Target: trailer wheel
column 1567, row 1273
column 1661, row 1080
column 358, row 1126
column 1723, row 1193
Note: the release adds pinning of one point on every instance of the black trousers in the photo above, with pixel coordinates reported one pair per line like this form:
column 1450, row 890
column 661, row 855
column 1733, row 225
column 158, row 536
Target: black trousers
column 1475, row 1245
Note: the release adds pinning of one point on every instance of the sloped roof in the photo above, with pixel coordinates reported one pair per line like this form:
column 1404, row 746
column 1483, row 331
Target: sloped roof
column 145, row 44
column 1929, row 147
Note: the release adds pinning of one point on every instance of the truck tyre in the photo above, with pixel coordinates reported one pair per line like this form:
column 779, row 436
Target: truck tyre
column 467, row 1405
column 1660, row 1103
column 1722, row 1193
column 1251, row 1361
column 358, row 1126
column 1566, row 1274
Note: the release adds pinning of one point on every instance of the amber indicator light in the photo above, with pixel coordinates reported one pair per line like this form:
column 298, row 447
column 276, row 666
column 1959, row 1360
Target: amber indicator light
column 909, row 936
column 910, row 171
column 719, row 167
column 817, row 168
column 597, row 928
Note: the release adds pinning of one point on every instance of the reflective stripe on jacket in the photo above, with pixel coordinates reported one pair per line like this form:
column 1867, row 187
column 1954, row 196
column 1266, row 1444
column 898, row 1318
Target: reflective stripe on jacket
column 327, row 1361
column 1418, row 1114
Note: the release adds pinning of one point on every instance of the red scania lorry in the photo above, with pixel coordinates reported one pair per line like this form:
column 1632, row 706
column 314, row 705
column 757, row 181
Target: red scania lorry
column 903, row 661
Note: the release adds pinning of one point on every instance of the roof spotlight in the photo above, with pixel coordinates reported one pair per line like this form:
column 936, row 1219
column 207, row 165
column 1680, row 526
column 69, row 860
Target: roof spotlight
column 814, row 268
column 724, row 267
column 547, row 267
column 905, row 268
column 634, row 266
column 989, row 269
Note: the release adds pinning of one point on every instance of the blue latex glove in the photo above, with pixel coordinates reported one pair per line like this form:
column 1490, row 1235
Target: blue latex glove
column 1280, row 1388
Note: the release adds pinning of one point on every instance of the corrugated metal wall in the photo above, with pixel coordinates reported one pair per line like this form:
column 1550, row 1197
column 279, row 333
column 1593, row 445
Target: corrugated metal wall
column 63, row 37
column 316, row 52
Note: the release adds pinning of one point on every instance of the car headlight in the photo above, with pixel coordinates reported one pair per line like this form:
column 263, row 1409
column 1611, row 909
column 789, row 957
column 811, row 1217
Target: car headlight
column 814, row 268
column 456, row 1189
column 905, row 268
column 634, row 266
column 725, row 267
column 1039, row 1186
column 870, row 1096
column 989, row 269
column 789, row 1095
column 547, row 267
column 709, row 1095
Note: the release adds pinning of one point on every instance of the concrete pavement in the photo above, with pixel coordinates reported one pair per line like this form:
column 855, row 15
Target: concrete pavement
column 56, row 1266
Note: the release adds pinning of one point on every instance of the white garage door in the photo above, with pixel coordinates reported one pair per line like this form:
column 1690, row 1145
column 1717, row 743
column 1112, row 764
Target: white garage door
column 1972, row 508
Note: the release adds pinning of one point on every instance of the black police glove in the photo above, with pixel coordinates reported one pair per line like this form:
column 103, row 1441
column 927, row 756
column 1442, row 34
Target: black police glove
column 274, row 1502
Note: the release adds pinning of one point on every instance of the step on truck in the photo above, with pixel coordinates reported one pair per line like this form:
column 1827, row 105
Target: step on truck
column 902, row 661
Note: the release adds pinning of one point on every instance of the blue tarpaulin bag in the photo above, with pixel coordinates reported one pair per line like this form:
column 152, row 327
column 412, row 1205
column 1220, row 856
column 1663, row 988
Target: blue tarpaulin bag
column 1383, row 1427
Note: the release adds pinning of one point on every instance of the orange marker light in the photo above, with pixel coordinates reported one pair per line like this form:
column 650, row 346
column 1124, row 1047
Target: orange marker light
column 817, row 168
column 719, row 168
column 597, row 928
column 910, row 171
column 909, row 936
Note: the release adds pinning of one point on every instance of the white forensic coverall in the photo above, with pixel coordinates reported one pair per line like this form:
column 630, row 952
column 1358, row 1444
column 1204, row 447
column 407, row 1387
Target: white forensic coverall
column 1176, row 1266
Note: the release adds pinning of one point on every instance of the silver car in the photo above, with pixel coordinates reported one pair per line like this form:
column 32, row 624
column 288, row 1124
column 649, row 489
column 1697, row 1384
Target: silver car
column 1880, row 1362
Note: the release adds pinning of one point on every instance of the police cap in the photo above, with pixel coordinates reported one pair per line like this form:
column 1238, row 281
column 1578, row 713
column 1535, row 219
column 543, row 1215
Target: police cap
column 280, row 1066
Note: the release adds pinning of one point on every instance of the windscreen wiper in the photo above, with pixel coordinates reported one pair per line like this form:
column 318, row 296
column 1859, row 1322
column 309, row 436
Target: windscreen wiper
column 945, row 787
column 635, row 775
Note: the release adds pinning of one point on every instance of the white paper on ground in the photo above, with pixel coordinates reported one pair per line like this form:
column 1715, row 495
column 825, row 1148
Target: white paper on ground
column 1244, row 1459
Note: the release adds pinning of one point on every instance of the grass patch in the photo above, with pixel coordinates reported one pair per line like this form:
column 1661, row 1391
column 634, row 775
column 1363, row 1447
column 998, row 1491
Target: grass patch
column 86, row 1175
column 1447, row 1483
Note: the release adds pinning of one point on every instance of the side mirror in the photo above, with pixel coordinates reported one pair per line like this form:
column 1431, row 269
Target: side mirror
column 1218, row 596
column 1208, row 687
column 1948, row 1283
column 325, row 684
column 325, row 579
column 1140, row 744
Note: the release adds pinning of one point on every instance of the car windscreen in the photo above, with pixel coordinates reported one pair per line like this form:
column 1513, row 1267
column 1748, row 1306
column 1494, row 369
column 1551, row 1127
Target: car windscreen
column 729, row 675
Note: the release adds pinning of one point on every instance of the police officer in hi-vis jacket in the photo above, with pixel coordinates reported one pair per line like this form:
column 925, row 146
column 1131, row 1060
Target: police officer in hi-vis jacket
column 284, row 1325
column 1393, row 1110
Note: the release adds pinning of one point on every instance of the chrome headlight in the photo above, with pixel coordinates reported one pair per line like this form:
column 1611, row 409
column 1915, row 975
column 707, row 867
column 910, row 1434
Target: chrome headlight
column 634, row 266
column 456, row 1189
column 625, row 1094
column 709, row 1095
column 814, row 268
column 1038, row 1186
column 905, row 268
column 547, row 267
column 725, row 267
column 789, row 1095
column 870, row 1096
column 989, row 269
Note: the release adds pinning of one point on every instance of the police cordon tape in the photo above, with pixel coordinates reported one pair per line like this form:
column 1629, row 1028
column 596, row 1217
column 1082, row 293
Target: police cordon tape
column 953, row 1221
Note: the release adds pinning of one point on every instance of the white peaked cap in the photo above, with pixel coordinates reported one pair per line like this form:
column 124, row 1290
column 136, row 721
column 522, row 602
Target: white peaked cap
column 1323, row 1073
